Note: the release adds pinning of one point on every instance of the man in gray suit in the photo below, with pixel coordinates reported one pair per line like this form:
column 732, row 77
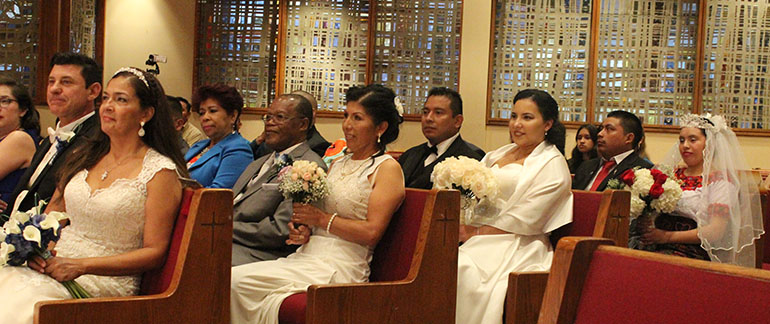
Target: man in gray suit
column 260, row 212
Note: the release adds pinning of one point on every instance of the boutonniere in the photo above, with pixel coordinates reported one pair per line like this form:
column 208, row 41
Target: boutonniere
column 63, row 139
column 282, row 162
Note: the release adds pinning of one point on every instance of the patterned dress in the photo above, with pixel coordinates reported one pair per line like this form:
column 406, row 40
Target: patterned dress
column 681, row 222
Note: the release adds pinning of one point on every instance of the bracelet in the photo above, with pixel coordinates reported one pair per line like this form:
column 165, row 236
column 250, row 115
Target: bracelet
column 329, row 224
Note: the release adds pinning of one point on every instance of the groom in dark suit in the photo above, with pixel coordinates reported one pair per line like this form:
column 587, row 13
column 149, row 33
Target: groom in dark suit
column 617, row 143
column 260, row 212
column 74, row 84
column 442, row 117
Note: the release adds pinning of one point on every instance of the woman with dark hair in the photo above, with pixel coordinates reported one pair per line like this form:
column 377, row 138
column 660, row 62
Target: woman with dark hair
column 511, row 232
column 585, row 146
column 121, row 192
column 19, row 134
column 338, row 236
column 218, row 161
column 719, row 216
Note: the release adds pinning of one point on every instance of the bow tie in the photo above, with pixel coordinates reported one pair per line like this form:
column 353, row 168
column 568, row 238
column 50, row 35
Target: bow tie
column 433, row 149
column 59, row 134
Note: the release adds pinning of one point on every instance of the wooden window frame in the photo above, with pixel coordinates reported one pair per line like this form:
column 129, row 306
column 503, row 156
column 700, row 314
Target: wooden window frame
column 280, row 62
column 592, row 71
column 54, row 38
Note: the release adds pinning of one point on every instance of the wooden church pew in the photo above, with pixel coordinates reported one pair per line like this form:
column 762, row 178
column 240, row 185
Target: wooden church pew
column 193, row 285
column 594, row 282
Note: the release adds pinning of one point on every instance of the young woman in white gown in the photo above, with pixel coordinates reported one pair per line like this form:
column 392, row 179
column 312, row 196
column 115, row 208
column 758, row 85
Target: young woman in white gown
column 367, row 187
column 121, row 193
column 719, row 216
column 534, row 200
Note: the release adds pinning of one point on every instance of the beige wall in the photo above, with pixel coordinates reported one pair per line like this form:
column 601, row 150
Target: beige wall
column 135, row 28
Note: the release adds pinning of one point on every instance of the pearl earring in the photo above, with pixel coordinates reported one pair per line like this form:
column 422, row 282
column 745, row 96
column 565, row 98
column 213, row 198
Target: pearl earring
column 141, row 129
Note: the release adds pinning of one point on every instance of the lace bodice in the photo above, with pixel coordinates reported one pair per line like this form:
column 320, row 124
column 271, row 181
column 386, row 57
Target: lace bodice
column 108, row 221
column 350, row 187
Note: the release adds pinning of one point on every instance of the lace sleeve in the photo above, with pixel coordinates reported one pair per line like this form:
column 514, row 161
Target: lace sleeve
column 153, row 163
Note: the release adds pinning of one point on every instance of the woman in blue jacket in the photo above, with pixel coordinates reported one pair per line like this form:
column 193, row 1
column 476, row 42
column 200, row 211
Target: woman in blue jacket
column 218, row 161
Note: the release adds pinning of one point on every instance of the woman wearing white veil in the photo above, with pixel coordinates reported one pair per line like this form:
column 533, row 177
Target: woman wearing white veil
column 720, row 196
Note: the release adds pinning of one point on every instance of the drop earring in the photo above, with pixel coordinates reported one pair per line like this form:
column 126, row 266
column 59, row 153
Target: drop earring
column 141, row 129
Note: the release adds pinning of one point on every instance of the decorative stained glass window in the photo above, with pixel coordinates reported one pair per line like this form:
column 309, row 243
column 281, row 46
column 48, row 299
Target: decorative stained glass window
column 326, row 46
column 544, row 45
column 646, row 59
column 237, row 46
column 736, row 55
column 19, row 32
column 417, row 47
column 83, row 27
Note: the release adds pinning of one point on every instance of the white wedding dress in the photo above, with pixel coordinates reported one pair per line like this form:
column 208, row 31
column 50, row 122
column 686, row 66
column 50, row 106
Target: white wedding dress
column 103, row 222
column 259, row 288
column 534, row 200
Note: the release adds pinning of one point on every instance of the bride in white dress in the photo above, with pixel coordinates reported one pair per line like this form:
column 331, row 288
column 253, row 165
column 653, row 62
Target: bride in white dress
column 367, row 186
column 121, row 193
column 534, row 200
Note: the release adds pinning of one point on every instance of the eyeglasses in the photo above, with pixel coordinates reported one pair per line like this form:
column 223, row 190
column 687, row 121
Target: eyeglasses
column 278, row 119
column 5, row 102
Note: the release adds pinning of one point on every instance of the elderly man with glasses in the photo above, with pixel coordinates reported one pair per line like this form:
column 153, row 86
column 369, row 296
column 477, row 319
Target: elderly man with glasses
column 260, row 212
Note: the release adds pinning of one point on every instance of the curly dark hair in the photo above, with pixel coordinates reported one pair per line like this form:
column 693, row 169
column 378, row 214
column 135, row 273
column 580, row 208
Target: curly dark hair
column 228, row 97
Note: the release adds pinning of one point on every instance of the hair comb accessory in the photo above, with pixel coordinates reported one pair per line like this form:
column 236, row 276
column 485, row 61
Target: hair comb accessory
column 139, row 75
column 399, row 106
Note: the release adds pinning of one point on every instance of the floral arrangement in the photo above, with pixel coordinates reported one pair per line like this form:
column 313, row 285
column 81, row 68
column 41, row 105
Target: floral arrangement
column 653, row 191
column 28, row 234
column 472, row 178
column 303, row 182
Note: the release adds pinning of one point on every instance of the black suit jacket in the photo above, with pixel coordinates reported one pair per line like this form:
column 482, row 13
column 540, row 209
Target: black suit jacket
column 417, row 175
column 589, row 168
column 45, row 184
column 316, row 142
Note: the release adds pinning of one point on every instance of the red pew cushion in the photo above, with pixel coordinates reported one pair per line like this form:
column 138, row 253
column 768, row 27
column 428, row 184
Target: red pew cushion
column 157, row 281
column 392, row 256
column 621, row 289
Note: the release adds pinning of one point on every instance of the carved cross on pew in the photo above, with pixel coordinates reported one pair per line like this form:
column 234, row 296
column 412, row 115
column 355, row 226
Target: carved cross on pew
column 213, row 224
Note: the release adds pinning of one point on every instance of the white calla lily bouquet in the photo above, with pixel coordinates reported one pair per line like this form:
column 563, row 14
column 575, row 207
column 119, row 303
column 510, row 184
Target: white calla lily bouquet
column 471, row 177
column 28, row 234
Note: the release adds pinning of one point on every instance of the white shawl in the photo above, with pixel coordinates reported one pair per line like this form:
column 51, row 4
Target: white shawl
column 542, row 201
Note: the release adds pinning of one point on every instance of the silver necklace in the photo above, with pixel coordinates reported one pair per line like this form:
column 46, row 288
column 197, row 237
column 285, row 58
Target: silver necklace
column 117, row 164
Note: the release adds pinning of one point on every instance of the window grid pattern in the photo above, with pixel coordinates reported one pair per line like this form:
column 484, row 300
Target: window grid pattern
column 237, row 45
column 19, row 34
column 417, row 47
column 83, row 27
column 544, row 45
column 326, row 48
column 736, row 54
column 646, row 61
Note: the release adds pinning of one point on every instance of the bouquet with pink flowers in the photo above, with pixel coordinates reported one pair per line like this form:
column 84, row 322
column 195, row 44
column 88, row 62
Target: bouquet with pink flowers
column 303, row 182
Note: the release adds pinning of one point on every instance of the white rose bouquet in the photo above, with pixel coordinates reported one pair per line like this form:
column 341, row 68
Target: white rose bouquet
column 472, row 178
column 28, row 234
column 652, row 192
column 303, row 182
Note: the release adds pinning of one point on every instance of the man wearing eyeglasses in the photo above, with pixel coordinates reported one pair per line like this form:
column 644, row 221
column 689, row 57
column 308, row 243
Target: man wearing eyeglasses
column 316, row 142
column 260, row 212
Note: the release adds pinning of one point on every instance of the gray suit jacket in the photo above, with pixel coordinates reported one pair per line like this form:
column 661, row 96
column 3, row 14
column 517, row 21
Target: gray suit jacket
column 261, row 215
